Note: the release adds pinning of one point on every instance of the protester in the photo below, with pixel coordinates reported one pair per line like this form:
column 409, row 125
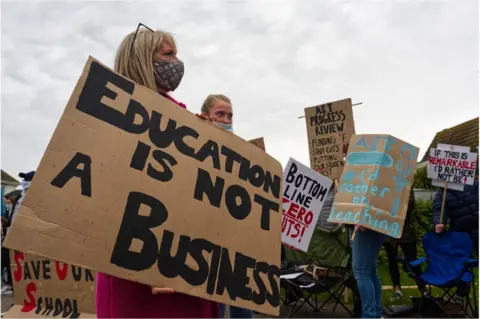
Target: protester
column 6, row 279
column 365, row 248
column 25, row 184
column 7, row 220
column 218, row 108
column 322, row 221
column 408, row 243
column 149, row 58
column 461, row 209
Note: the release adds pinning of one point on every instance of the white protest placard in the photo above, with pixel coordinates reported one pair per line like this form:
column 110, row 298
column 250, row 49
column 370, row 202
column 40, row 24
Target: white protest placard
column 452, row 164
column 304, row 192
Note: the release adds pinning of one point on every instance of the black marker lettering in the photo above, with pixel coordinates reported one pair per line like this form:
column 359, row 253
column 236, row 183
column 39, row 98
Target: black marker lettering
column 136, row 226
column 72, row 170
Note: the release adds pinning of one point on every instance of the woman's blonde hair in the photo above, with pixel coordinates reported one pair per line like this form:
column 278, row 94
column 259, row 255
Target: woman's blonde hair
column 210, row 101
column 136, row 63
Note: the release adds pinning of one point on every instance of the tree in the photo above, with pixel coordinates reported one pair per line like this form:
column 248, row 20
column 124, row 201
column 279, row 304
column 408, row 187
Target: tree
column 421, row 180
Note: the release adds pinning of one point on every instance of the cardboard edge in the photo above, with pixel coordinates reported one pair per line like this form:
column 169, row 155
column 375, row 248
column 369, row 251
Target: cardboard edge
column 16, row 312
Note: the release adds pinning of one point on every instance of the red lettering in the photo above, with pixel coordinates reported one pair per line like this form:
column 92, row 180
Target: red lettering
column 301, row 213
column 292, row 209
column 297, row 228
column 309, row 218
column 31, row 303
column 449, row 162
column 284, row 200
column 290, row 222
column 61, row 272
column 18, row 272
column 301, row 235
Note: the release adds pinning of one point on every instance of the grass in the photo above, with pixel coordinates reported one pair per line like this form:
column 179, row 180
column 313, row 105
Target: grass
column 405, row 281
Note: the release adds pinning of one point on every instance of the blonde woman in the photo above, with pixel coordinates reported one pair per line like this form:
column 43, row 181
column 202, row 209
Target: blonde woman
column 149, row 58
column 218, row 108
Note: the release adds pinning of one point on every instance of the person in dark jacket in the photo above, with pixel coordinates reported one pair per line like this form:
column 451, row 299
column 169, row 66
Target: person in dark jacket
column 461, row 209
column 408, row 243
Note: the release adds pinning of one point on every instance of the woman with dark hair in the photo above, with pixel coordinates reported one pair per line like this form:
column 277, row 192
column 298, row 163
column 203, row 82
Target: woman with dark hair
column 408, row 243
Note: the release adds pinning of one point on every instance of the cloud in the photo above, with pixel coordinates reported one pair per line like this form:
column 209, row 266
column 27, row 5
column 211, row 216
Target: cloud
column 413, row 64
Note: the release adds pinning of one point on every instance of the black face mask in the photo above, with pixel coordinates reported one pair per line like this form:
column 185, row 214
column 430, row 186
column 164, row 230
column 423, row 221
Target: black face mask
column 169, row 74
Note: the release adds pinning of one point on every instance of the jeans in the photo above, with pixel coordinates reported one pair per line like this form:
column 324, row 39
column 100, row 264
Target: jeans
column 365, row 248
column 6, row 265
column 236, row 312
column 409, row 251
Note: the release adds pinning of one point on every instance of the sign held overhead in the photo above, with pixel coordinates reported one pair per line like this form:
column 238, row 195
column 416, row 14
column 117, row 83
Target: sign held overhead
column 375, row 186
column 329, row 129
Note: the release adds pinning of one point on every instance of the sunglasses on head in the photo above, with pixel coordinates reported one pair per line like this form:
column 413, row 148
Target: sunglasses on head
column 135, row 36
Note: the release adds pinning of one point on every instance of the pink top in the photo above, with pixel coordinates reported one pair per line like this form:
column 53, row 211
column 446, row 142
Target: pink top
column 120, row 298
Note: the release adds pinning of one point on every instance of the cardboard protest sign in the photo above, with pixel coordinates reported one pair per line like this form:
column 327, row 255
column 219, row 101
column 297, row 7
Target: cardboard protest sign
column 136, row 187
column 452, row 165
column 329, row 129
column 258, row 142
column 304, row 192
column 45, row 288
column 375, row 186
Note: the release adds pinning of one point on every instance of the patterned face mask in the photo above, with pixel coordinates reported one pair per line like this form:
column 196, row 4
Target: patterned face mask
column 168, row 74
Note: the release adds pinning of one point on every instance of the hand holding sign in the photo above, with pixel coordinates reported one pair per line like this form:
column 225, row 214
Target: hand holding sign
column 162, row 291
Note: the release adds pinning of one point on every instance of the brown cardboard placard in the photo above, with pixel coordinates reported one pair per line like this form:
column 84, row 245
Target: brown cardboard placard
column 375, row 186
column 45, row 288
column 16, row 312
column 329, row 129
column 258, row 142
column 129, row 176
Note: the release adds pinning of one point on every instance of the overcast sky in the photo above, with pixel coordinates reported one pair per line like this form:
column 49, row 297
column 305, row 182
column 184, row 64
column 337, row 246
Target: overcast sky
column 413, row 64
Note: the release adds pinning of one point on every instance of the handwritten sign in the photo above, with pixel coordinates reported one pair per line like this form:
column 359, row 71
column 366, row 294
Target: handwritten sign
column 452, row 164
column 136, row 187
column 259, row 142
column 46, row 288
column 375, row 186
column 304, row 192
column 329, row 129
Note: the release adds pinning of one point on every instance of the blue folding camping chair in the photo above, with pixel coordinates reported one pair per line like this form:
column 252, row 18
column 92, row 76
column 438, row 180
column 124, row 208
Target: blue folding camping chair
column 449, row 265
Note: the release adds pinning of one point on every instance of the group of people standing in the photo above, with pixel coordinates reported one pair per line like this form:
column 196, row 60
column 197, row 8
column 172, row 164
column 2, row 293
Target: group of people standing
column 10, row 204
column 149, row 58
column 460, row 210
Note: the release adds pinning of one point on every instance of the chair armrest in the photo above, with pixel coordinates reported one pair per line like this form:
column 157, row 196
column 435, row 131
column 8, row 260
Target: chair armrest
column 471, row 262
column 418, row 262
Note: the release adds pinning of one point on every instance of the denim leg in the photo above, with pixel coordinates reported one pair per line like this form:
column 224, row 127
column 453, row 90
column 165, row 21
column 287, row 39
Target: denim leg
column 377, row 283
column 222, row 310
column 365, row 248
column 236, row 312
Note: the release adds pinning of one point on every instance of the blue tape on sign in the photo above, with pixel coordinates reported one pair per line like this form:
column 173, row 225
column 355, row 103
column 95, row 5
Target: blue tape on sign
column 369, row 159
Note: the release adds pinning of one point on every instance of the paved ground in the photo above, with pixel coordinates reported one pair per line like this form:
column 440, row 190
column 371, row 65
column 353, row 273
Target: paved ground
column 7, row 302
column 305, row 312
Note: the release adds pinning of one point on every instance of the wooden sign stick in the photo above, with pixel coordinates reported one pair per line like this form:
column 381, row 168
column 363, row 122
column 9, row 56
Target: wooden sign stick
column 440, row 221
